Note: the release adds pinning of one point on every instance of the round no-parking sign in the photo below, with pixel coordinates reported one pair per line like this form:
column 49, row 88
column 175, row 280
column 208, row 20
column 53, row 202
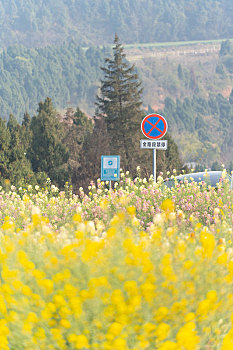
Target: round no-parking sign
column 154, row 126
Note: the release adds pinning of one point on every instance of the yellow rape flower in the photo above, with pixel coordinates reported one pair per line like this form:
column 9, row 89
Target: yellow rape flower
column 168, row 345
column 77, row 218
column 65, row 323
column 47, row 284
column 167, row 205
column 187, row 337
column 208, row 243
column 120, row 344
column 81, row 342
column 131, row 210
column 114, row 330
column 162, row 331
column 161, row 313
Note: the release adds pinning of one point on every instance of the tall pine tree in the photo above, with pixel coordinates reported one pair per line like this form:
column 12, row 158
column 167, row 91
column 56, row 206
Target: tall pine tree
column 120, row 104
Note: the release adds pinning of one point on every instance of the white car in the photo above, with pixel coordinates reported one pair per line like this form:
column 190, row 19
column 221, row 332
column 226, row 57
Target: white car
column 210, row 178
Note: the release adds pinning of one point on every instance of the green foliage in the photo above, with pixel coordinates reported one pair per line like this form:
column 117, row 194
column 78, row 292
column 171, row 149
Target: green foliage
column 228, row 63
column 14, row 164
column 67, row 73
column 39, row 23
column 220, row 69
column 19, row 168
column 48, row 154
column 209, row 121
column 226, row 57
column 180, row 72
column 77, row 130
column 216, row 166
column 46, row 146
column 4, row 150
column 226, row 48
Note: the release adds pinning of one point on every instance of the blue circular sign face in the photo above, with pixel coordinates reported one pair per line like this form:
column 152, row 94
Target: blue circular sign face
column 154, row 126
column 110, row 162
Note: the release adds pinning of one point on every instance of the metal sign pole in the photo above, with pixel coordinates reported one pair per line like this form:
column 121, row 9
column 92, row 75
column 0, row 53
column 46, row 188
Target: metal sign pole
column 110, row 185
column 154, row 164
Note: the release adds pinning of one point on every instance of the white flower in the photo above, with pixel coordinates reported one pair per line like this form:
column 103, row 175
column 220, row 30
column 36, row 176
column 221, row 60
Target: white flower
column 216, row 211
column 54, row 188
column 158, row 219
column 35, row 210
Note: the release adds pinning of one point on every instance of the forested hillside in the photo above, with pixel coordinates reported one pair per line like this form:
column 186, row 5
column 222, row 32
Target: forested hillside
column 35, row 23
column 192, row 87
column 193, row 92
column 202, row 127
column 55, row 48
column 67, row 73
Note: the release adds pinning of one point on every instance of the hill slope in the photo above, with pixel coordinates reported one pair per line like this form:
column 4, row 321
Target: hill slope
column 191, row 85
column 68, row 74
column 36, row 23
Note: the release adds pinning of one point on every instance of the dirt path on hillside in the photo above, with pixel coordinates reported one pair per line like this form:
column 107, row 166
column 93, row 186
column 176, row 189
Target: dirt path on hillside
column 193, row 50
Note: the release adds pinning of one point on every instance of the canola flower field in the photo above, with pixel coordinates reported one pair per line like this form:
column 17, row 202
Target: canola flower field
column 139, row 267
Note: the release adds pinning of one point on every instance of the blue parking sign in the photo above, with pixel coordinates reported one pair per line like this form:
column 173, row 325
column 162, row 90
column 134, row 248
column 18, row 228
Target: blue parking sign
column 110, row 168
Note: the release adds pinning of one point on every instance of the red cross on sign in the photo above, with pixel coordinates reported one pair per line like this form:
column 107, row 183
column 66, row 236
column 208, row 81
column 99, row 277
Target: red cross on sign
column 154, row 126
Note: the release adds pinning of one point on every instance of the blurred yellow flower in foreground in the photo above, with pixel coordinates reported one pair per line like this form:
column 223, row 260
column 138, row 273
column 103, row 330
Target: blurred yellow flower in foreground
column 167, row 205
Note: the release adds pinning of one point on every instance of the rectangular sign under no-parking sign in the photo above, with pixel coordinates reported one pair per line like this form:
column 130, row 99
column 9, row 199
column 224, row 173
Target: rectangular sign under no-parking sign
column 152, row 144
column 110, row 168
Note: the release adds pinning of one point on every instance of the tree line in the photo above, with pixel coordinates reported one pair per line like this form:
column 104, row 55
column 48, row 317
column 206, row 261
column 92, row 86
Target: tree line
column 68, row 147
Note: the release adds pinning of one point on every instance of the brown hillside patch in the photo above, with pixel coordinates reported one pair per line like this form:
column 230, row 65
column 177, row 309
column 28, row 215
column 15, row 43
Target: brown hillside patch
column 227, row 91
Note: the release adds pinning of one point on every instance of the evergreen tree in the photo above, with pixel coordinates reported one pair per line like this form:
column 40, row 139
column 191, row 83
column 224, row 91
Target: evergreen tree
column 26, row 132
column 19, row 167
column 216, row 166
column 180, row 72
column 169, row 159
column 48, row 153
column 4, row 151
column 226, row 48
column 12, row 123
column 120, row 103
column 26, row 119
